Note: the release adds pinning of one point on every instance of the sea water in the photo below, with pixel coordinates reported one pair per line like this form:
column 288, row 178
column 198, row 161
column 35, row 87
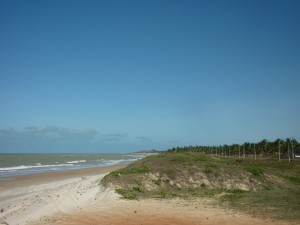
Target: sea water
column 22, row 164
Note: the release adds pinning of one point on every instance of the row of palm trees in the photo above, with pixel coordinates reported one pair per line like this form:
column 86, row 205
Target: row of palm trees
column 279, row 148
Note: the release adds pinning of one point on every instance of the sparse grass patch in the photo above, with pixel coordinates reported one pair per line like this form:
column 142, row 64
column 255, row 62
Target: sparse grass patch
column 174, row 194
column 256, row 171
column 120, row 191
column 208, row 168
column 140, row 170
column 181, row 158
column 162, row 194
column 157, row 182
column 201, row 158
column 235, row 191
column 209, row 193
column 293, row 179
column 170, row 171
column 137, row 188
column 129, row 195
column 273, row 186
column 275, row 203
column 233, row 195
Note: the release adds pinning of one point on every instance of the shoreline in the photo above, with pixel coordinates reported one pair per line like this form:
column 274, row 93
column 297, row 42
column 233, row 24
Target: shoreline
column 36, row 197
column 38, row 178
column 19, row 164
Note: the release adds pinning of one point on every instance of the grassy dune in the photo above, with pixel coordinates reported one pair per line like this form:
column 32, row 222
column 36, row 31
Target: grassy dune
column 263, row 187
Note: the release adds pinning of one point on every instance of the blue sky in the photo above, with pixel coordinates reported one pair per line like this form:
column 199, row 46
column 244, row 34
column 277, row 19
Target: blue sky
column 119, row 76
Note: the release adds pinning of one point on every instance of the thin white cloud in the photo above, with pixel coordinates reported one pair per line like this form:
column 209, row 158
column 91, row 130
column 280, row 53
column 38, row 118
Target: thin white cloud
column 114, row 137
column 52, row 133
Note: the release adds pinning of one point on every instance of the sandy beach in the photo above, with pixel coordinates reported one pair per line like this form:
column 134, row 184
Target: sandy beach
column 35, row 197
column 75, row 197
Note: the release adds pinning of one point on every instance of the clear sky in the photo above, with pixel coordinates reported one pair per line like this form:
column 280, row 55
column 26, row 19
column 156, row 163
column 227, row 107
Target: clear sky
column 120, row 76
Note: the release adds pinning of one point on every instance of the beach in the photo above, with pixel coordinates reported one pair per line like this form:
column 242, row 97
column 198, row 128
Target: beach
column 76, row 197
column 34, row 197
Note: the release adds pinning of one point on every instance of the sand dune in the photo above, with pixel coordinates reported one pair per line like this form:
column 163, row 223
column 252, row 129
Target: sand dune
column 75, row 198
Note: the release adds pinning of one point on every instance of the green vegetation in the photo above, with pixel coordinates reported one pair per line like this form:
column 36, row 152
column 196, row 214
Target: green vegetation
column 162, row 194
column 157, row 182
column 209, row 168
column 129, row 195
column 264, row 187
column 278, row 148
column 293, row 179
column 130, row 171
column 233, row 195
column 137, row 188
column 257, row 171
column 201, row 158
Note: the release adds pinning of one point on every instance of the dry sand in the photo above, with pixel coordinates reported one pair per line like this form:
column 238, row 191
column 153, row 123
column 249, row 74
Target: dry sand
column 75, row 198
column 35, row 197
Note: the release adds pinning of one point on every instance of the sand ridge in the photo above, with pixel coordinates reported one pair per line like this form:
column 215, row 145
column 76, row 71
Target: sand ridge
column 76, row 198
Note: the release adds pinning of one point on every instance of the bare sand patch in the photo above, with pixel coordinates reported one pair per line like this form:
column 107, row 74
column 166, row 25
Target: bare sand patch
column 32, row 197
column 109, row 209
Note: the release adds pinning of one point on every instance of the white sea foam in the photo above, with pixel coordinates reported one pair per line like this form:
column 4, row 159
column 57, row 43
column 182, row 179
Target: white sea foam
column 65, row 162
column 30, row 167
column 116, row 162
column 14, row 168
column 77, row 161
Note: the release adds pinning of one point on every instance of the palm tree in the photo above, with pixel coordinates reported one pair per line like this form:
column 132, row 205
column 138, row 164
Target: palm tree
column 288, row 148
column 279, row 152
column 292, row 143
column 225, row 148
column 264, row 146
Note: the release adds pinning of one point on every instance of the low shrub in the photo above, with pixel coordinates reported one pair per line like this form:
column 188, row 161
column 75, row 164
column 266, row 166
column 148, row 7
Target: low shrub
column 256, row 171
column 140, row 170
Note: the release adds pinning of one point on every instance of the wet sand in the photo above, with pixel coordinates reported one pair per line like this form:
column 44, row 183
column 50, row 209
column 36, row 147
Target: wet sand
column 40, row 178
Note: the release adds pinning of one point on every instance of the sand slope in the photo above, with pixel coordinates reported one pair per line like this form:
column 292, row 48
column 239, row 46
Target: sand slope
column 36, row 197
column 111, row 210
column 76, row 198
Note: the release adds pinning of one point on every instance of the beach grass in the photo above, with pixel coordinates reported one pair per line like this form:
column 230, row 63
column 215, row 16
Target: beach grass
column 262, row 187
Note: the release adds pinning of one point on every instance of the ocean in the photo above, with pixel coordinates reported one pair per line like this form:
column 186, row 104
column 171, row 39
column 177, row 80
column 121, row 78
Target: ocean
column 21, row 164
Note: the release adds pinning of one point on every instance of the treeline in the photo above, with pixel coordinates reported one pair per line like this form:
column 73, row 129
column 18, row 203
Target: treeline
column 278, row 148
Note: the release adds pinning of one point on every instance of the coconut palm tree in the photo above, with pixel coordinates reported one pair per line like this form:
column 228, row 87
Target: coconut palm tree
column 278, row 143
column 288, row 148
column 292, row 146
